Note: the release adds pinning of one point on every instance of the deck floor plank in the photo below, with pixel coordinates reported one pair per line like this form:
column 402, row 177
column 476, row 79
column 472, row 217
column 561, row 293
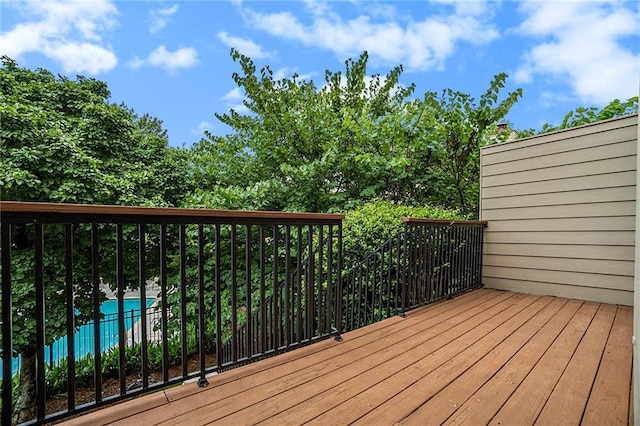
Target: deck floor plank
column 608, row 402
column 484, row 356
column 273, row 398
column 389, row 364
column 503, row 339
column 486, row 401
column 524, row 357
column 224, row 387
column 571, row 392
column 531, row 393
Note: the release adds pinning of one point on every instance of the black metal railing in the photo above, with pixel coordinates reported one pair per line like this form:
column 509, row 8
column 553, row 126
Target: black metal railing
column 214, row 270
column 213, row 290
column 428, row 260
column 371, row 290
column 284, row 331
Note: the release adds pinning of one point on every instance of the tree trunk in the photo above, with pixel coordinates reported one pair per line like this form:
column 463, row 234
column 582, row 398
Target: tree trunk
column 24, row 409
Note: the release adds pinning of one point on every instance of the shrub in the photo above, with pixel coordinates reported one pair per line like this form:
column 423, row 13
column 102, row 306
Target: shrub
column 369, row 226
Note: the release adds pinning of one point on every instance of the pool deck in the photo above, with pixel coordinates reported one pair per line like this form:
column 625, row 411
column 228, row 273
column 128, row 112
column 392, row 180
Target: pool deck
column 151, row 291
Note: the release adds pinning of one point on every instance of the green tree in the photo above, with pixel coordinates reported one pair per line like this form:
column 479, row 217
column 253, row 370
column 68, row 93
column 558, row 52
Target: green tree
column 462, row 128
column 63, row 141
column 302, row 147
column 353, row 139
column 583, row 115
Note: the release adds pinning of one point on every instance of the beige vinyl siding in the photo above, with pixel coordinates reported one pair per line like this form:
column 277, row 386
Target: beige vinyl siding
column 561, row 209
column 609, row 209
column 566, row 251
column 603, row 238
column 580, row 183
column 562, row 290
column 601, row 195
column 599, row 167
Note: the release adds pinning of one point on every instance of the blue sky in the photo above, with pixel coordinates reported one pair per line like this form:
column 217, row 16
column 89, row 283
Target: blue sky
column 171, row 58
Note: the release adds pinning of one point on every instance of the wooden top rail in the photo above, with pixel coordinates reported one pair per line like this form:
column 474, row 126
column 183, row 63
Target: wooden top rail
column 413, row 220
column 48, row 209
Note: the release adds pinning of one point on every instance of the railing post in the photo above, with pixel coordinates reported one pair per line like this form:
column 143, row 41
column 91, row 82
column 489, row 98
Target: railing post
column 481, row 253
column 339, row 294
column 7, row 336
column 403, row 266
column 202, row 381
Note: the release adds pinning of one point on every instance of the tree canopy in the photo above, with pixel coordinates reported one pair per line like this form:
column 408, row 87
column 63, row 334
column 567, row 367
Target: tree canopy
column 354, row 138
column 62, row 141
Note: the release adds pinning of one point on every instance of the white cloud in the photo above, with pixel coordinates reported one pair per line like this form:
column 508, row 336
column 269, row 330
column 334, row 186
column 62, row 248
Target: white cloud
column 466, row 7
column 234, row 99
column 136, row 63
column 186, row 57
column 202, row 127
column 69, row 32
column 550, row 99
column 288, row 72
column 579, row 42
column 181, row 58
column 84, row 57
column 244, row 46
column 160, row 18
column 419, row 45
column 317, row 8
column 235, row 95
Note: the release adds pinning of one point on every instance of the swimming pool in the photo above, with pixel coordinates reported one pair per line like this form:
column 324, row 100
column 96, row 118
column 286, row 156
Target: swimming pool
column 84, row 336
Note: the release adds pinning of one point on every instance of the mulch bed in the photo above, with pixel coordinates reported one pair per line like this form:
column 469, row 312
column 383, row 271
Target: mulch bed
column 111, row 386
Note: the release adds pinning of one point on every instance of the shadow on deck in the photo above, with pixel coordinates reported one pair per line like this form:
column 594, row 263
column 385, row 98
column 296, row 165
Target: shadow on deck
column 486, row 357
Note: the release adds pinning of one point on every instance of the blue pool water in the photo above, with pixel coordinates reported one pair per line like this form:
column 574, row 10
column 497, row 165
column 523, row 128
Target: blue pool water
column 84, row 336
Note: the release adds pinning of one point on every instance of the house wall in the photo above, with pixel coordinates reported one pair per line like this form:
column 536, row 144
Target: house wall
column 636, row 308
column 561, row 211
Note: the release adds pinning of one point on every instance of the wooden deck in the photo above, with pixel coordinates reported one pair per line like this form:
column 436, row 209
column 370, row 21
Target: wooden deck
column 486, row 357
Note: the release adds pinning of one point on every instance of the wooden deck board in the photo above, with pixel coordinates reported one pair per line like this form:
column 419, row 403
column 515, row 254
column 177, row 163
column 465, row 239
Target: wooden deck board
column 571, row 393
column 261, row 381
column 388, row 367
column 486, row 356
column 515, row 350
column 487, row 401
column 501, row 341
column 608, row 402
column 273, row 398
column 531, row 394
